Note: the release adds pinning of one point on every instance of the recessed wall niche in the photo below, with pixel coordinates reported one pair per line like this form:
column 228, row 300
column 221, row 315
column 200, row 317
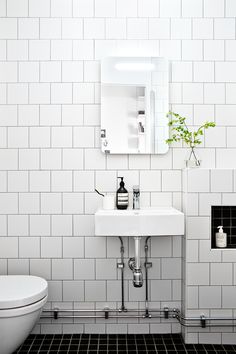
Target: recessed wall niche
column 225, row 216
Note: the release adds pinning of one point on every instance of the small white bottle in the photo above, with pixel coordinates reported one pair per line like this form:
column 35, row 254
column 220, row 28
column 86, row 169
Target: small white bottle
column 221, row 238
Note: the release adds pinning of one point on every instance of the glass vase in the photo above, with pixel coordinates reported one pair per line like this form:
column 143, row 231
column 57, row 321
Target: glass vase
column 192, row 160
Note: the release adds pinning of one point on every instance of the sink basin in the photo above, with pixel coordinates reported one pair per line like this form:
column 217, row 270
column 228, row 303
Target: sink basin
column 156, row 221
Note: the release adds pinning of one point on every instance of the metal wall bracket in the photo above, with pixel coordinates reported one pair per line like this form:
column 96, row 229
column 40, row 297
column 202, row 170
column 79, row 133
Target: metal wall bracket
column 203, row 321
column 166, row 312
column 55, row 313
column 148, row 265
column 120, row 265
column 106, row 313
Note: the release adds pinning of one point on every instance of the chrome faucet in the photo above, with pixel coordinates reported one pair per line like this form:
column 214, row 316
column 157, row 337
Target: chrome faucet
column 136, row 197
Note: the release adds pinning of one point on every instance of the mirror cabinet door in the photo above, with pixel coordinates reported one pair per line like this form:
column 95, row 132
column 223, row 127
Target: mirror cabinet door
column 134, row 104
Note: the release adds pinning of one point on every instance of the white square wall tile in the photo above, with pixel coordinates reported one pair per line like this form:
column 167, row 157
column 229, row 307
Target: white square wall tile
column 28, row 28
column 18, row 181
column 148, row 8
column 137, row 28
column 83, row 137
column 228, row 296
column 171, row 181
column 83, row 8
column 40, row 268
column 83, row 181
column 203, row 72
column 125, row 9
column 182, row 72
column 51, row 203
column 62, row 269
column 18, row 225
column 105, row 8
column 84, row 225
column 203, row 28
column 214, row 8
column 206, row 200
column 51, row 159
column 221, row 180
column 61, row 137
column 106, row 181
column 209, row 297
column 197, row 274
column 72, row 159
column 192, row 50
column 116, row 28
column 94, row 28
column 29, row 247
column 170, row 8
column 61, row 8
column 95, row 247
column 61, row 181
column 224, row 28
column 73, row 247
column 73, row 203
column 51, row 247
column 9, row 247
column 8, row 203
column 62, row 225
column 106, row 269
column 198, row 227
column 181, row 28
column 193, row 93
column 171, row 268
column 192, row 8
column 72, row 28
column 159, row 28
column 73, row 291
column 50, row 28
column 198, row 180
column 84, row 269
column 39, row 225
column 29, row 203
column 99, row 294
column 214, row 93
column 39, row 8
column 39, row 181
column 221, row 274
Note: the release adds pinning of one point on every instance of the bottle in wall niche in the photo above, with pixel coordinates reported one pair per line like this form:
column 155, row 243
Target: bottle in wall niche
column 122, row 196
column 221, row 238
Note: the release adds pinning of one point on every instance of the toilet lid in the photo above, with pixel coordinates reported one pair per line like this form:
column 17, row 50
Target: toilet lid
column 21, row 290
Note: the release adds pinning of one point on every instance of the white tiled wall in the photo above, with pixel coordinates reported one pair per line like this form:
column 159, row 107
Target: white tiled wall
column 50, row 159
column 209, row 282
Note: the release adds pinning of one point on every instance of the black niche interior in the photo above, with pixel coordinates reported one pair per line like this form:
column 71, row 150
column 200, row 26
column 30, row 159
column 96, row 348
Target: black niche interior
column 226, row 216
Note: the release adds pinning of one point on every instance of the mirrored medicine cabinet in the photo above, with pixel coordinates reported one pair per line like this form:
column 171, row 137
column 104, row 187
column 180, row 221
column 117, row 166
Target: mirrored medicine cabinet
column 134, row 104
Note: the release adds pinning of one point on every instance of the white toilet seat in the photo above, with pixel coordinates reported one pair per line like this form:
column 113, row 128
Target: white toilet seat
column 21, row 294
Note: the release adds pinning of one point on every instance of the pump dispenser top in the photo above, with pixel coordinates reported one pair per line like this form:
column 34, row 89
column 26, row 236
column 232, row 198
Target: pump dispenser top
column 220, row 229
column 122, row 196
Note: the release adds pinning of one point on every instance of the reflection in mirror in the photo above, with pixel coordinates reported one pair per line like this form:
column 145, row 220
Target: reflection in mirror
column 134, row 104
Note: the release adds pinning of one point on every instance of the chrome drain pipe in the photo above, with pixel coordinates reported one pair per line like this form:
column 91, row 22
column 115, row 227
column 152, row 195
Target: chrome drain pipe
column 135, row 264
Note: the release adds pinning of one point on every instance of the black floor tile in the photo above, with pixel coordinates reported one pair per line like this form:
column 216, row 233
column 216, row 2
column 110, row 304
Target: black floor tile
column 116, row 344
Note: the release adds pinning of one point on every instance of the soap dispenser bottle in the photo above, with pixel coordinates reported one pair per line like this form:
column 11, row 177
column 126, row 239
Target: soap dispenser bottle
column 221, row 238
column 122, row 196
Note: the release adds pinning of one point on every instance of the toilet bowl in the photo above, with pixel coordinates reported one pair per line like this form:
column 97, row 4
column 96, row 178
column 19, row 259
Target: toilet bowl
column 22, row 298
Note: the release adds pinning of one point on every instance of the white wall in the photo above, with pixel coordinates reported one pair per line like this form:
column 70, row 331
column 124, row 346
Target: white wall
column 50, row 158
column 209, row 275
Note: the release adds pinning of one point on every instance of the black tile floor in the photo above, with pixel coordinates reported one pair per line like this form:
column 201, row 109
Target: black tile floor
column 116, row 344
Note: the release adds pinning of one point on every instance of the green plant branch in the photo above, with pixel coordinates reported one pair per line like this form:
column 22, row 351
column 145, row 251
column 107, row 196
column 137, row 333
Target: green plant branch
column 180, row 130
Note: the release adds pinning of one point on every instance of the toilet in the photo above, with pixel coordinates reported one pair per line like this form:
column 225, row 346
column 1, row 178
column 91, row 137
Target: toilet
column 22, row 298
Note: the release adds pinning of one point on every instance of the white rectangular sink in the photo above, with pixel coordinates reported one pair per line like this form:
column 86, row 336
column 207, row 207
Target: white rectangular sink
column 156, row 221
